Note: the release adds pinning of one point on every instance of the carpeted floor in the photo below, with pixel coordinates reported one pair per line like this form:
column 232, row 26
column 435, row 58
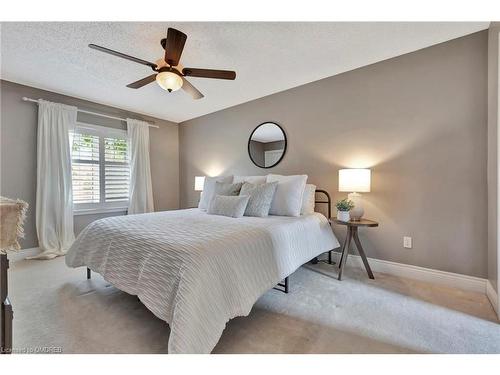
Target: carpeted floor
column 57, row 307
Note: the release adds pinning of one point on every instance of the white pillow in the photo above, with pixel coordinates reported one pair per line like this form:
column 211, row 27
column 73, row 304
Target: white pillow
column 308, row 200
column 256, row 180
column 209, row 189
column 287, row 199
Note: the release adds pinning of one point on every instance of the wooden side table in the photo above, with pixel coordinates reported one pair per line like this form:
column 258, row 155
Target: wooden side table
column 352, row 235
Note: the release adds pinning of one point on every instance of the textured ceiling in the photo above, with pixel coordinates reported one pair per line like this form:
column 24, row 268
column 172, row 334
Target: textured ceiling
column 268, row 132
column 268, row 58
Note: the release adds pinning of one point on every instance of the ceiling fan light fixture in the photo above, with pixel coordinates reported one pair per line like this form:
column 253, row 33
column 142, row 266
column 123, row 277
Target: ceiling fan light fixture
column 167, row 71
column 169, row 81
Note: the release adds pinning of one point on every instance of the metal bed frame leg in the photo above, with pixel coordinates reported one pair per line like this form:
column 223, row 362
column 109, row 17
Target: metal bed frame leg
column 89, row 274
column 286, row 286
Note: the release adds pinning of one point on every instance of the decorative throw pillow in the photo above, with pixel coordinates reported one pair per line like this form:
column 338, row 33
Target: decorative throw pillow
column 209, row 189
column 308, row 199
column 287, row 200
column 222, row 188
column 261, row 196
column 225, row 189
column 226, row 205
column 251, row 179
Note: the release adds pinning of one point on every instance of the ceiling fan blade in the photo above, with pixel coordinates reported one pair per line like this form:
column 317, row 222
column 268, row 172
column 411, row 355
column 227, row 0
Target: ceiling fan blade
column 142, row 82
column 190, row 89
column 122, row 55
column 174, row 46
column 209, row 73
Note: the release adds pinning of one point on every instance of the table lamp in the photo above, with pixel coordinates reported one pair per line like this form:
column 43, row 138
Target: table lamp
column 355, row 181
column 199, row 181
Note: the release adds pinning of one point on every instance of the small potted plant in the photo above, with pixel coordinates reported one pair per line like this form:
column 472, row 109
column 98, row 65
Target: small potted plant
column 343, row 208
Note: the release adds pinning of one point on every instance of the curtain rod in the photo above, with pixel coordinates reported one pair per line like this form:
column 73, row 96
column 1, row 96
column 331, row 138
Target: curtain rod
column 91, row 113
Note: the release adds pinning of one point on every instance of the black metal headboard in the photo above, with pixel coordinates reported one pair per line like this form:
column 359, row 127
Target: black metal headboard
column 328, row 201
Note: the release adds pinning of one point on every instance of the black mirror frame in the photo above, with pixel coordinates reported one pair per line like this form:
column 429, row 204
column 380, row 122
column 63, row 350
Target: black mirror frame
column 284, row 149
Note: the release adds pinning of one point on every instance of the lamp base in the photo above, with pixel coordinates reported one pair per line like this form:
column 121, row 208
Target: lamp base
column 358, row 211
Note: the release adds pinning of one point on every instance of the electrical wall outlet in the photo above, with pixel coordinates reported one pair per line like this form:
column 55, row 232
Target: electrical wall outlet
column 407, row 242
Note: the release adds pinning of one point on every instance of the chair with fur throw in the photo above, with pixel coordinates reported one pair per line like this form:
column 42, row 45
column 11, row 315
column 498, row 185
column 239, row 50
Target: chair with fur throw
column 12, row 215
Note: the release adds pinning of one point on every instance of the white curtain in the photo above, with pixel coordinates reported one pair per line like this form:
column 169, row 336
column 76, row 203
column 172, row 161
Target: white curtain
column 141, row 189
column 54, row 198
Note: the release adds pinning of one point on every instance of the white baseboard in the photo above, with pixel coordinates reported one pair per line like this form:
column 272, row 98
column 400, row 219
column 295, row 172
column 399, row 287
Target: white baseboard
column 455, row 280
column 492, row 296
column 23, row 253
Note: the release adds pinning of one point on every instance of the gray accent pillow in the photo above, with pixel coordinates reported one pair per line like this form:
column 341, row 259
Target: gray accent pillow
column 222, row 188
column 261, row 197
column 227, row 205
column 208, row 189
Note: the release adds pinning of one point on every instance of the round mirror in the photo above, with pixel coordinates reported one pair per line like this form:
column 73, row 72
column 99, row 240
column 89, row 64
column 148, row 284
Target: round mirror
column 267, row 145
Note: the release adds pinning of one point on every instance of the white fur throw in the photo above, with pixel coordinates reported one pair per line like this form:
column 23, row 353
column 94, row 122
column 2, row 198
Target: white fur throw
column 12, row 216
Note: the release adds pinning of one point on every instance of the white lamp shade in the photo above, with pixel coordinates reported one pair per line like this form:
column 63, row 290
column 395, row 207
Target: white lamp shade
column 199, row 181
column 354, row 180
column 169, row 81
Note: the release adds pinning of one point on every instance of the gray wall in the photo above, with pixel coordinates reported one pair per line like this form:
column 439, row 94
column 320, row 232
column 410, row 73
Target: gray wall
column 493, row 190
column 418, row 120
column 18, row 151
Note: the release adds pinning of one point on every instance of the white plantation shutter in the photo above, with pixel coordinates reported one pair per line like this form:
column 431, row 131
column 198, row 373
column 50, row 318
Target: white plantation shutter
column 85, row 168
column 100, row 168
column 117, row 169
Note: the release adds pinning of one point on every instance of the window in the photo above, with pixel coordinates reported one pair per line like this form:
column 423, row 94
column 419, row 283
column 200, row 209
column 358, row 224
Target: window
column 100, row 168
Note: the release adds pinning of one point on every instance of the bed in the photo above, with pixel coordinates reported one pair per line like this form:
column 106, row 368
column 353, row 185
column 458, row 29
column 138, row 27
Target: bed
column 197, row 271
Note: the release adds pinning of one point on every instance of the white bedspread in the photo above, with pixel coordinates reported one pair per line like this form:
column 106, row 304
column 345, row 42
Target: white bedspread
column 196, row 271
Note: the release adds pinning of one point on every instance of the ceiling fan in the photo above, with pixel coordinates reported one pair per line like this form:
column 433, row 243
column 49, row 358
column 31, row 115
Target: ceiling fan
column 168, row 73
